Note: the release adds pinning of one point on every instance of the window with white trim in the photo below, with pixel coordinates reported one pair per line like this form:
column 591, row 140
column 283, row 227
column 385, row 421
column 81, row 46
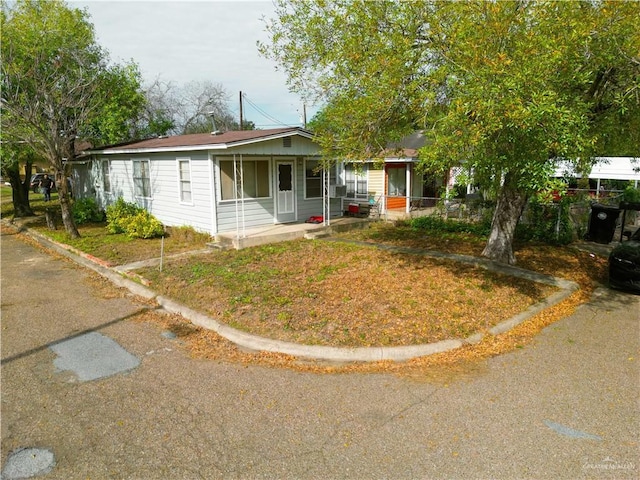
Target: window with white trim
column 252, row 174
column 142, row 178
column 106, row 175
column 184, row 177
column 312, row 179
column 356, row 180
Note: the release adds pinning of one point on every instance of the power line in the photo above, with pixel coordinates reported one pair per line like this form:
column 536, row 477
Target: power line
column 264, row 114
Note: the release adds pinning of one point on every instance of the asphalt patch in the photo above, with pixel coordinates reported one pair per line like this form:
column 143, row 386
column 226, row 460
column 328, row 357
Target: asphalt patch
column 27, row 463
column 92, row 356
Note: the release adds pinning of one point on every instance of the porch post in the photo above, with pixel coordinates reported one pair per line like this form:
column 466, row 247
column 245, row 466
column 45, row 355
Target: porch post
column 408, row 190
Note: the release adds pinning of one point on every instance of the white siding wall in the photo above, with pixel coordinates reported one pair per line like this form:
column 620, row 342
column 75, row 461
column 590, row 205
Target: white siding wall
column 164, row 202
column 312, row 207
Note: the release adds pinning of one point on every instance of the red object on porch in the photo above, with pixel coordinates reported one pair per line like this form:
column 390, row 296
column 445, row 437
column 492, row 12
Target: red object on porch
column 315, row 219
column 354, row 209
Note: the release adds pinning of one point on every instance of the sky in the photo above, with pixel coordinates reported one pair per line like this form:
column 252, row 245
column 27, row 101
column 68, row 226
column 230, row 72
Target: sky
column 180, row 41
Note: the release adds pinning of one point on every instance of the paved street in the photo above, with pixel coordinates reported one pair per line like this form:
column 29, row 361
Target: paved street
column 563, row 407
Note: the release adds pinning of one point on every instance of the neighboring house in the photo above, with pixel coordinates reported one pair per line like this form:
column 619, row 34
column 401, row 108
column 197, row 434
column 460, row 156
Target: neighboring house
column 606, row 172
column 394, row 183
column 213, row 182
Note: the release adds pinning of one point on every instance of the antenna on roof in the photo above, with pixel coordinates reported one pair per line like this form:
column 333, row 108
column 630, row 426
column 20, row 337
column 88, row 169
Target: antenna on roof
column 214, row 130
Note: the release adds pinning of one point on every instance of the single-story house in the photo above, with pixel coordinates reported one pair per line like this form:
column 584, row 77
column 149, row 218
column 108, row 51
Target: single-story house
column 395, row 184
column 216, row 183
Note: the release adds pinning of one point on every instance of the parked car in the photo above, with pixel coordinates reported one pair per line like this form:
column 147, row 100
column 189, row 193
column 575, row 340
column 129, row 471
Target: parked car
column 624, row 264
column 35, row 182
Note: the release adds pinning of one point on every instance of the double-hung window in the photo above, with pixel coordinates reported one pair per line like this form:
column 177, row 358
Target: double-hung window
column 142, row 178
column 356, row 180
column 184, row 178
column 250, row 179
column 312, row 179
column 106, row 175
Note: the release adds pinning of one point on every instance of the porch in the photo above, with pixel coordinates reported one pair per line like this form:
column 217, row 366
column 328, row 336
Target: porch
column 393, row 208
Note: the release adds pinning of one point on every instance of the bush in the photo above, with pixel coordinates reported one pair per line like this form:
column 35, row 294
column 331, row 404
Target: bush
column 547, row 222
column 86, row 210
column 132, row 220
column 631, row 194
column 143, row 225
column 437, row 224
column 118, row 213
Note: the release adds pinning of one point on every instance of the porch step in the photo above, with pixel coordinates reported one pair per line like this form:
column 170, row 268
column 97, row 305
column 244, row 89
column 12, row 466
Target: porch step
column 317, row 234
column 220, row 244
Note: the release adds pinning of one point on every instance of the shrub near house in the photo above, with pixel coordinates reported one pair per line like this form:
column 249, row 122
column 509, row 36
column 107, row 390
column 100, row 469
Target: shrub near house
column 132, row 220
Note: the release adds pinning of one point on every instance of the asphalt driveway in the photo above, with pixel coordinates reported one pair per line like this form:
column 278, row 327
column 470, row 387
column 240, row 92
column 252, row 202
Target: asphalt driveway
column 565, row 406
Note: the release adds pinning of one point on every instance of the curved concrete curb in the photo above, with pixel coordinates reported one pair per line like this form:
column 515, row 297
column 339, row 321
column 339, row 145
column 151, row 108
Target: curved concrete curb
column 318, row 352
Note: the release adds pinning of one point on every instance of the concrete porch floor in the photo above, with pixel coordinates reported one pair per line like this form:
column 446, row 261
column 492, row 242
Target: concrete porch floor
column 252, row 237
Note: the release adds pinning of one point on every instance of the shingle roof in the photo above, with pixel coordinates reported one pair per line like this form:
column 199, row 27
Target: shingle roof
column 407, row 147
column 204, row 139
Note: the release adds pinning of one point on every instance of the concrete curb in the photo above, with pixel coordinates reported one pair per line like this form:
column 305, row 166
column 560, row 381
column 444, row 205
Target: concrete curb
column 360, row 354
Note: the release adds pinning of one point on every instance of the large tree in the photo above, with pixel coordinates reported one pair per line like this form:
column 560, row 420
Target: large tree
column 190, row 108
column 504, row 88
column 12, row 157
column 57, row 86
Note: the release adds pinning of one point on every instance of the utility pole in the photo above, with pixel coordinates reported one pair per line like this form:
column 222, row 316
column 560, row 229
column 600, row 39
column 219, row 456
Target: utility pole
column 304, row 114
column 241, row 119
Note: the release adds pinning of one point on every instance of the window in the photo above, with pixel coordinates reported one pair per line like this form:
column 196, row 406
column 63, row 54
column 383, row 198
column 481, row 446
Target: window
column 356, row 180
column 106, row 175
column 254, row 178
column 184, row 177
column 397, row 181
column 312, row 179
column 141, row 178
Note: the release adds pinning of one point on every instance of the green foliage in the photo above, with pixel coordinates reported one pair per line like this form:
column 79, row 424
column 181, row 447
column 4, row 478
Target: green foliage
column 143, row 225
column 59, row 87
column 117, row 213
column 122, row 106
column 440, row 225
column 86, row 210
column 538, row 81
column 555, row 188
column 134, row 221
column 547, row 222
column 631, row 194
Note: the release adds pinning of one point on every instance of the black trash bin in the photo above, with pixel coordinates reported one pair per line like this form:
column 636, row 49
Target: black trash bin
column 602, row 223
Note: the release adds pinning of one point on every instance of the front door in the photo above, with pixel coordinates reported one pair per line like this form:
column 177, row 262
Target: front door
column 285, row 192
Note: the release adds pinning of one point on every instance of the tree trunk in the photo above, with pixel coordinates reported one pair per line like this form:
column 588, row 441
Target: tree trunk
column 65, row 205
column 510, row 205
column 20, row 190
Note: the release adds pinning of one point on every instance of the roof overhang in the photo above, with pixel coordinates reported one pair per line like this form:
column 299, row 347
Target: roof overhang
column 606, row 168
column 130, row 149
